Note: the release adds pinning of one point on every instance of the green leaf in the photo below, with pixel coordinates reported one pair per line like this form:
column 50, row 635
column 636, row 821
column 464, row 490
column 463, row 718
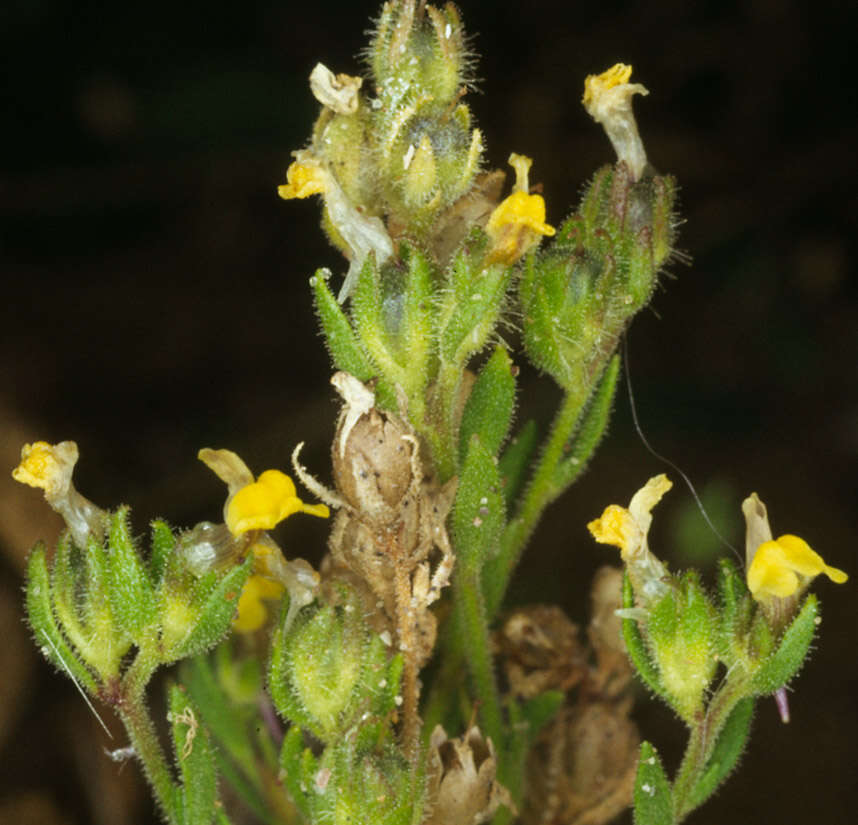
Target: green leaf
column 537, row 712
column 591, row 427
column 790, row 654
column 48, row 636
column 345, row 348
column 163, row 543
column 478, row 510
column 637, row 648
column 488, row 410
column 652, row 797
column 214, row 615
column 298, row 765
column 472, row 308
column 226, row 722
column 735, row 611
column 418, row 319
column 195, row 760
column 130, row 592
column 516, row 461
column 725, row 756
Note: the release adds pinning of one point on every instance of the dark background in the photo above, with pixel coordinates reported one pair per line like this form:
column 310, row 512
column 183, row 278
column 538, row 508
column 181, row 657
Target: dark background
column 155, row 301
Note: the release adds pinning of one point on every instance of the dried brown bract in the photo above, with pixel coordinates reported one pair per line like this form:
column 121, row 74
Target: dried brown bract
column 541, row 650
column 463, row 789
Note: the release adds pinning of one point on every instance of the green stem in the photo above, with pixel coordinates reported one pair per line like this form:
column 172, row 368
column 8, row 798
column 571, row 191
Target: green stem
column 701, row 743
column 135, row 716
column 473, row 625
column 540, row 492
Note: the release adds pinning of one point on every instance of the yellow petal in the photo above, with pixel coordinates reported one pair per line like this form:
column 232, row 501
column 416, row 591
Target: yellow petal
column 227, row 466
column 770, row 575
column 303, row 179
column 616, row 526
column 47, row 466
column 598, row 84
column 252, row 613
column 262, row 504
column 806, row 561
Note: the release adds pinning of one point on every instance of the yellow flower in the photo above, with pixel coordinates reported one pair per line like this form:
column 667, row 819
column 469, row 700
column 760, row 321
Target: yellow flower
column 48, row 466
column 783, row 566
column 266, row 502
column 518, row 221
column 252, row 612
column 304, row 177
column 255, row 505
column 628, row 529
column 252, row 507
column 608, row 99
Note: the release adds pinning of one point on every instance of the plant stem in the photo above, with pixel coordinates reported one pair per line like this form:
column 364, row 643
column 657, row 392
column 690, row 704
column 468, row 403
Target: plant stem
column 540, row 492
column 135, row 716
column 701, row 743
column 472, row 623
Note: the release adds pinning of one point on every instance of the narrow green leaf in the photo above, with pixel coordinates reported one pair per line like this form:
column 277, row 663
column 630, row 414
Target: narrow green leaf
column 488, row 410
column 478, row 510
column 637, row 648
column 48, row 636
column 591, row 427
column 516, row 461
column 194, row 758
column 537, row 712
column 790, row 654
column 215, row 614
column 343, row 345
column 418, row 316
column 130, row 591
column 163, row 543
column 297, row 763
column 735, row 610
column 725, row 756
column 653, row 796
column 225, row 721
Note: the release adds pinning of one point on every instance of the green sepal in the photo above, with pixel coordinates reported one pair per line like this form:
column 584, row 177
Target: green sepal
column 653, row 797
column 735, row 606
column 49, row 638
column 791, row 652
column 417, row 318
column 194, row 759
column 682, row 635
column 726, row 753
column 298, row 766
column 517, row 460
column 163, row 543
column 367, row 306
column 488, row 410
column 471, row 307
column 591, row 427
column 637, row 648
column 478, row 510
column 214, row 608
column 343, row 345
column 66, row 587
column 316, row 672
column 130, row 592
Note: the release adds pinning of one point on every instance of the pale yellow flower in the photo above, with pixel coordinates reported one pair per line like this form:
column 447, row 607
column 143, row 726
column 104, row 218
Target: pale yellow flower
column 518, row 222
column 784, row 565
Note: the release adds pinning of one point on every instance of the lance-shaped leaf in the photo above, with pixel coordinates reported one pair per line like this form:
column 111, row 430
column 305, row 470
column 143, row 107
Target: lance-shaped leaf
column 298, row 766
column 653, row 796
column 591, row 427
column 163, row 542
column 195, row 760
column 791, row 652
column 478, row 510
column 725, row 756
column 517, row 460
column 488, row 410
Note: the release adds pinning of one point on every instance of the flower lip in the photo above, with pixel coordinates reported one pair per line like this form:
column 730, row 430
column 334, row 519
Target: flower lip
column 784, row 566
